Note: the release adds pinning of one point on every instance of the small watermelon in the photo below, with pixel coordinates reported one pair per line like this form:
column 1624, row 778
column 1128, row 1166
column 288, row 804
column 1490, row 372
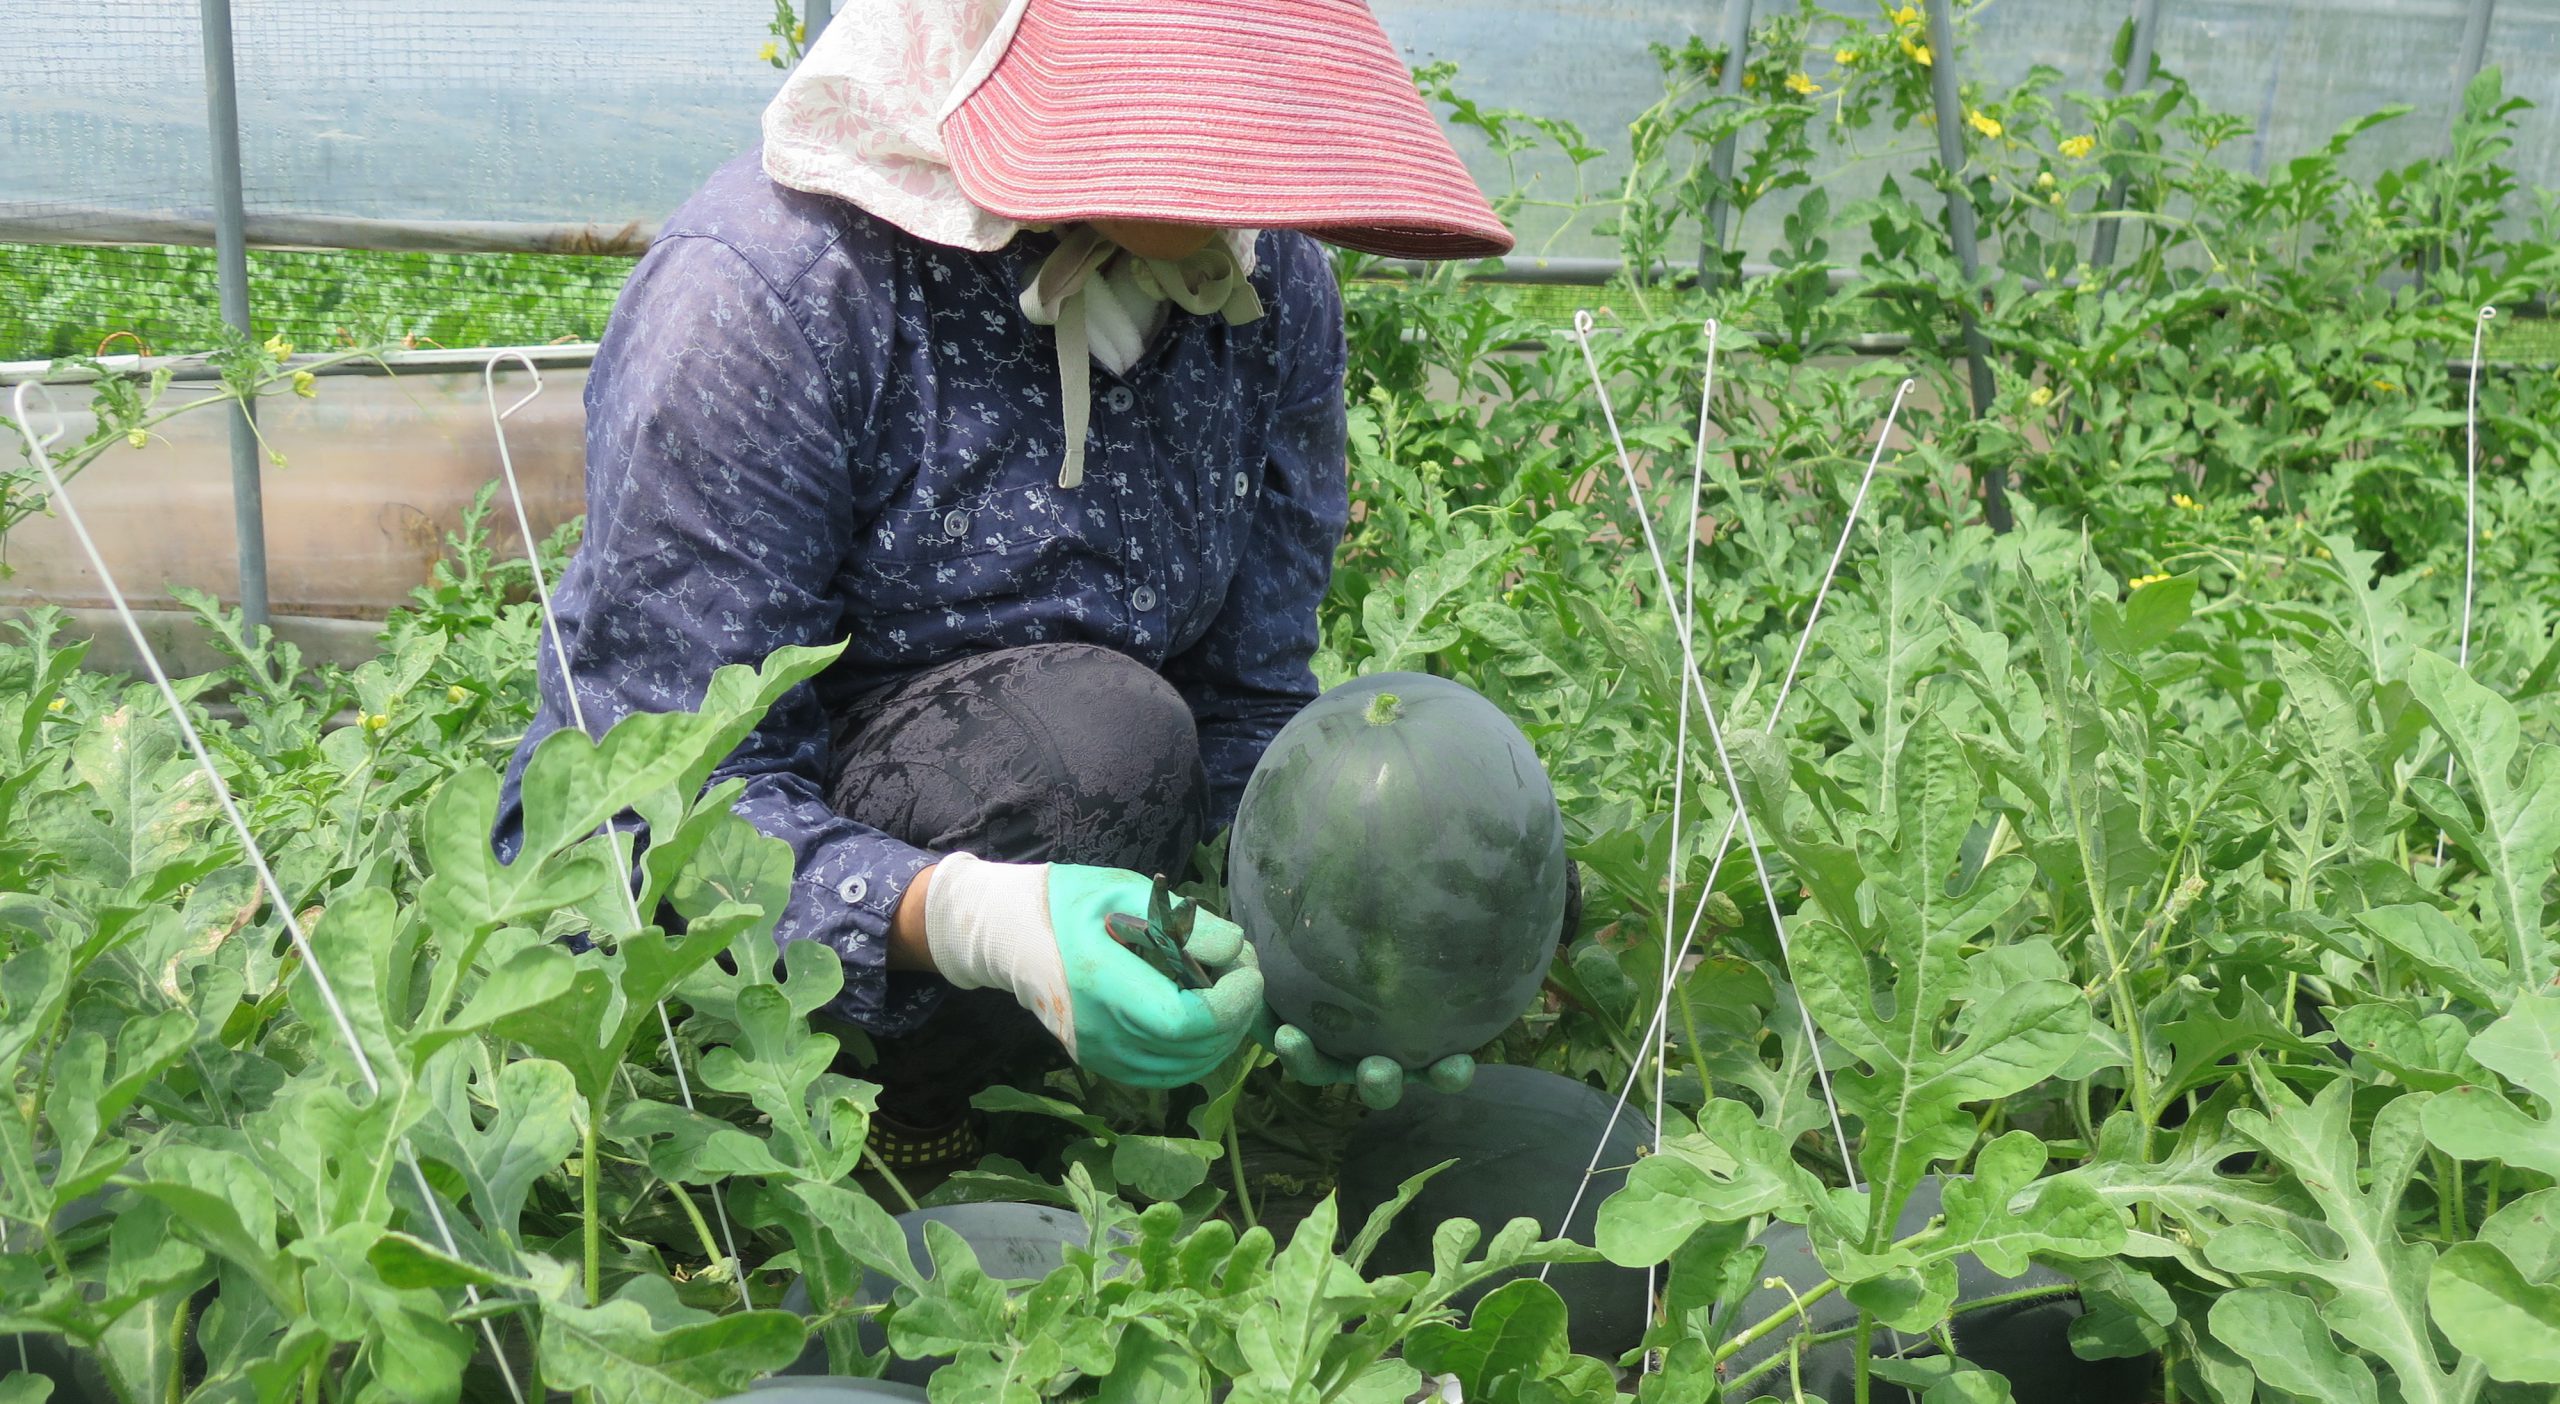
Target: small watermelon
column 1398, row 863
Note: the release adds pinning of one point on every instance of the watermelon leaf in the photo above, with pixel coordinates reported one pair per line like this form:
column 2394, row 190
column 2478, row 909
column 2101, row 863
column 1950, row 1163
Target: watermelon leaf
column 1516, row 1333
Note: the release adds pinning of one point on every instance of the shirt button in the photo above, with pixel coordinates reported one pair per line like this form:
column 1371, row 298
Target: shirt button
column 1119, row 399
column 955, row 524
column 1143, row 598
column 853, row 890
column 1243, row 486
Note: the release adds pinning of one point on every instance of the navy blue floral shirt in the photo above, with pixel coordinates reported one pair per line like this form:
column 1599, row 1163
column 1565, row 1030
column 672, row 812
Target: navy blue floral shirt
column 806, row 425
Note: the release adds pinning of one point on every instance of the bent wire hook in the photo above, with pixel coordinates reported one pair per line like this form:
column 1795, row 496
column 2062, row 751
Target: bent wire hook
column 578, row 718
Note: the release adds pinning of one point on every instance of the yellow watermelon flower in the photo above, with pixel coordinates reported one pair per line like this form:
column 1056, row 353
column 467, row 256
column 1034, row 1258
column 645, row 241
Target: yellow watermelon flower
column 2079, row 147
column 769, row 53
column 278, row 347
column 2181, row 500
column 139, row 438
column 1987, row 125
column 2140, row 581
column 1919, row 52
column 1907, row 15
column 306, row 384
column 2385, row 386
column 800, row 33
column 2041, row 396
column 1845, row 56
column 1802, row 85
column 57, row 704
column 456, row 694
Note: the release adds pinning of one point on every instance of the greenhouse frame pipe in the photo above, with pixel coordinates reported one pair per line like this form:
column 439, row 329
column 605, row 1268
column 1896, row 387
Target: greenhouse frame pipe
column 1737, row 47
column 328, row 233
column 196, row 370
column 331, row 233
column 2475, row 48
column 2137, row 74
column 231, row 257
column 1961, row 233
column 814, row 22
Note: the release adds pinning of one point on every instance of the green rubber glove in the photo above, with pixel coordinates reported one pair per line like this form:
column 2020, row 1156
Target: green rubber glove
column 1380, row 1080
column 1036, row 930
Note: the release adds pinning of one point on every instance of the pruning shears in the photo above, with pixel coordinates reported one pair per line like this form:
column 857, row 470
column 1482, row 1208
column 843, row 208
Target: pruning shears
column 1159, row 938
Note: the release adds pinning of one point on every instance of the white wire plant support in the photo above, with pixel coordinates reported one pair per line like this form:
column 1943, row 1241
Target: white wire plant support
column 578, row 718
column 38, row 450
column 1681, row 607
column 2470, row 515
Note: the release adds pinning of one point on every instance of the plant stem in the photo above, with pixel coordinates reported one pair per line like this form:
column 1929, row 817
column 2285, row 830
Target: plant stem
column 1689, row 1027
column 1773, row 1321
column 702, row 1231
column 1864, row 1379
column 1235, row 1167
column 594, row 1225
column 896, row 1186
column 177, row 1351
column 2119, row 992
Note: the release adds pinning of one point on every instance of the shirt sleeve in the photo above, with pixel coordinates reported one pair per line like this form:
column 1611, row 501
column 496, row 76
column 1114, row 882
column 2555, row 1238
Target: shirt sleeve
column 1251, row 671
column 720, row 511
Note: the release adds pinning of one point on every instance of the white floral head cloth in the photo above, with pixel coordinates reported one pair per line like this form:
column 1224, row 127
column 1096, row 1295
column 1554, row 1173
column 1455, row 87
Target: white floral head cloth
column 861, row 119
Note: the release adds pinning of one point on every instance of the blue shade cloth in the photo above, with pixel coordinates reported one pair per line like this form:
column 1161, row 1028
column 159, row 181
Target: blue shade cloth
column 805, row 425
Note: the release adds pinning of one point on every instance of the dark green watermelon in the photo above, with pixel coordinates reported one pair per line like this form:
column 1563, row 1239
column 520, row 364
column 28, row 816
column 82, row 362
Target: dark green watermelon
column 1398, row 862
column 1521, row 1138
column 1013, row 1242
column 2028, row 1342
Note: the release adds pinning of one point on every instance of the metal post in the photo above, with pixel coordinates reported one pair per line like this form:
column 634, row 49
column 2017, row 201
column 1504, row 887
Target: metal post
column 1960, row 232
column 231, row 258
column 1737, row 48
column 815, row 20
column 2137, row 74
column 2475, row 48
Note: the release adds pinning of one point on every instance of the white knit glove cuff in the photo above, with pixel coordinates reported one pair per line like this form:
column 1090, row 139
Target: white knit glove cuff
column 987, row 927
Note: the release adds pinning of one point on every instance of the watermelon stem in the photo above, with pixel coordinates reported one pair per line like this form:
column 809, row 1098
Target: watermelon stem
column 1384, row 708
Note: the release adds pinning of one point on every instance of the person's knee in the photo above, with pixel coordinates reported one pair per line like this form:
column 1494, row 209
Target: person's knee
column 1125, row 756
column 1066, row 753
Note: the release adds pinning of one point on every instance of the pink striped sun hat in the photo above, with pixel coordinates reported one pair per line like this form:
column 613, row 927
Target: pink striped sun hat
column 1269, row 114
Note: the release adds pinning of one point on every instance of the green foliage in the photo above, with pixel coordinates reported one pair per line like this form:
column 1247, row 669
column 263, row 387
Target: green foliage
column 203, row 1182
column 2115, row 877
column 65, row 301
column 2106, row 851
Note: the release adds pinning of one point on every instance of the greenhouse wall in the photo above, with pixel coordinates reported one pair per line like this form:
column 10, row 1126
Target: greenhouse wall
column 587, row 112
column 448, row 122
column 377, row 471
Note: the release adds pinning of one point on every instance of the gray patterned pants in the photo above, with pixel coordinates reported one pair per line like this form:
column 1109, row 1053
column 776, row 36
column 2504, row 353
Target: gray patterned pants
column 1052, row 753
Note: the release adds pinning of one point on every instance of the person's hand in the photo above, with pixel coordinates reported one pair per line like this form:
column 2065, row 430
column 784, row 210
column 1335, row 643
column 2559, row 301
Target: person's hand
column 1380, row 1080
column 1036, row 931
